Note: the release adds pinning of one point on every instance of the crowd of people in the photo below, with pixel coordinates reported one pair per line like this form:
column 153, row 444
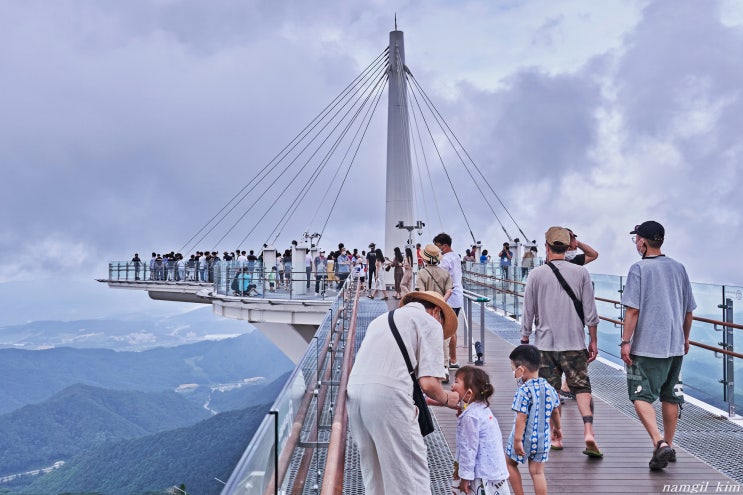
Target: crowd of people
column 559, row 306
column 554, row 354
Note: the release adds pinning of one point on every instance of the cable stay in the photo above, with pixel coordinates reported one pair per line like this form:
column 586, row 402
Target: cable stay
column 302, row 168
column 443, row 165
column 379, row 62
column 464, row 150
column 316, row 174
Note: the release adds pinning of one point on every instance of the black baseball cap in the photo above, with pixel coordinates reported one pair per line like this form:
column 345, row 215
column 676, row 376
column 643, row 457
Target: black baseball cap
column 650, row 230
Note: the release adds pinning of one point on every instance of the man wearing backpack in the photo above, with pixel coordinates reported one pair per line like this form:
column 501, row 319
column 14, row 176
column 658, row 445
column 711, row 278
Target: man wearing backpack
column 558, row 304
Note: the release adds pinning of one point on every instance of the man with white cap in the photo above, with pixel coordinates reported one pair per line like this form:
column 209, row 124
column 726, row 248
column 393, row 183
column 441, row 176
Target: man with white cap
column 381, row 413
column 558, row 304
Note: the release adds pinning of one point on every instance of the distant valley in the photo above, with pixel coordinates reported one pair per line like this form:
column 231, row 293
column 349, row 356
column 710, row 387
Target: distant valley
column 77, row 405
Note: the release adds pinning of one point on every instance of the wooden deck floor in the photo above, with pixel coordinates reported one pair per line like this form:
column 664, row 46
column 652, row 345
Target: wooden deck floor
column 624, row 442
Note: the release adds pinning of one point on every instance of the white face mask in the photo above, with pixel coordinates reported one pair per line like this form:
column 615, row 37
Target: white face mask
column 569, row 255
column 520, row 380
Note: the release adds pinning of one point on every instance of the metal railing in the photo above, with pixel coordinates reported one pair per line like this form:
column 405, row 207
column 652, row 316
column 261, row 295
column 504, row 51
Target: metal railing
column 296, row 436
column 702, row 374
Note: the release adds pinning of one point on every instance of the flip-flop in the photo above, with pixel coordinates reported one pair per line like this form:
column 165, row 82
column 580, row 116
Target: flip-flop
column 593, row 453
column 553, row 447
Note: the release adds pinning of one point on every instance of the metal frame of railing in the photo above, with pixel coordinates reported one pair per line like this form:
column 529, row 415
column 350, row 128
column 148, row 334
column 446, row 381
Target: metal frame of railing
column 504, row 289
column 322, row 379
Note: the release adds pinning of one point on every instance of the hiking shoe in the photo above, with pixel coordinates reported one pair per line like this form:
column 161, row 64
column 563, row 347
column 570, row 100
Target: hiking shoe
column 661, row 456
column 454, row 365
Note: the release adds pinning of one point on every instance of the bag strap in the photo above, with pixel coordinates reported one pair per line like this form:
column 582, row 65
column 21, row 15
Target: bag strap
column 400, row 343
column 433, row 279
column 578, row 304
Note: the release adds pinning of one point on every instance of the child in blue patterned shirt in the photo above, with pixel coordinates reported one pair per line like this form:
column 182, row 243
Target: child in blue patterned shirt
column 534, row 403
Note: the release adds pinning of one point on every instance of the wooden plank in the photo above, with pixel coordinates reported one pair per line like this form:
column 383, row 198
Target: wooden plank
column 626, row 446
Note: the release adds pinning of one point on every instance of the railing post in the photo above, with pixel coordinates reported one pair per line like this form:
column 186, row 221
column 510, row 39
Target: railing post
column 468, row 302
column 482, row 327
column 728, row 366
column 275, row 415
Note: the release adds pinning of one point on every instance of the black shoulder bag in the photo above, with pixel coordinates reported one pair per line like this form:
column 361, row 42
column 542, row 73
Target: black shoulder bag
column 578, row 305
column 425, row 421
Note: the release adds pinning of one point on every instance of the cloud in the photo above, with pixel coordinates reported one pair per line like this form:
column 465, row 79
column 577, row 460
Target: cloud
column 127, row 125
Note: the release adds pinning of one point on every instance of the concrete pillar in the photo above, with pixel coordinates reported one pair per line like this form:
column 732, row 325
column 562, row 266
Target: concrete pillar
column 269, row 262
column 399, row 193
column 299, row 282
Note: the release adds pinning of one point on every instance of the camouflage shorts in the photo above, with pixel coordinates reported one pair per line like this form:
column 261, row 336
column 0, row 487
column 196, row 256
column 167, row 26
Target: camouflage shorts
column 573, row 363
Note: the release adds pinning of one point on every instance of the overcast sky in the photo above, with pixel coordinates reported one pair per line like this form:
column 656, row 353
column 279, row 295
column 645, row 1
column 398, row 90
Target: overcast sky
column 126, row 125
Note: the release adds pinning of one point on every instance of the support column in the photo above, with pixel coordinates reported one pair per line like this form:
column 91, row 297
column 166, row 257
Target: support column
column 399, row 206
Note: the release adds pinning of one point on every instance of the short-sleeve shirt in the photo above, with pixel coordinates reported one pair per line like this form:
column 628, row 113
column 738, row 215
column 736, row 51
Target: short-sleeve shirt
column 537, row 399
column 379, row 359
column 659, row 287
column 451, row 263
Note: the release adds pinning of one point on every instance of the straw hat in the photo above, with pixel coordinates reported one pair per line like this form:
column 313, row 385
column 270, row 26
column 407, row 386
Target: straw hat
column 431, row 254
column 450, row 317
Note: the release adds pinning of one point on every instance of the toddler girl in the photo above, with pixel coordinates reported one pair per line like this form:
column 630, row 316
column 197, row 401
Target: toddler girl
column 481, row 462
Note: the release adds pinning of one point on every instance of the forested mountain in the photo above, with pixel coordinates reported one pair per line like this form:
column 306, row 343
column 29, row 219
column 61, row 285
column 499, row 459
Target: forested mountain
column 34, row 376
column 82, row 417
column 194, row 456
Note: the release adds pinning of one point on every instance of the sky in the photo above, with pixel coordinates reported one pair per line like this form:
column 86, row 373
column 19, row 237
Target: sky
column 126, row 126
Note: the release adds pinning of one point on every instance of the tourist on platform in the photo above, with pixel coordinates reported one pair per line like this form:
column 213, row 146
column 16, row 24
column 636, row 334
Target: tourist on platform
column 484, row 257
column 288, row 267
column 528, row 261
column 252, row 258
column 588, row 255
column 557, row 313
column 308, row 268
column 152, row 266
column 481, row 464
column 191, row 268
column 505, row 257
column 272, row 279
column 434, row 278
column 657, row 323
column 396, row 264
column 382, row 415
column 343, row 266
column 469, row 256
column 137, row 265
column 419, row 255
column 452, row 264
column 371, row 265
column 181, row 265
column 406, row 284
column 331, row 280
column 378, row 282
column 362, row 275
column 536, row 420
column 242, row 259
column 321, row 268
column 280, row 270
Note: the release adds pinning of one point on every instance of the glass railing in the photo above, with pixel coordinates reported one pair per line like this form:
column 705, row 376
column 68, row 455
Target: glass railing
column 256, row 471
column 230, row 278
column 707, row 375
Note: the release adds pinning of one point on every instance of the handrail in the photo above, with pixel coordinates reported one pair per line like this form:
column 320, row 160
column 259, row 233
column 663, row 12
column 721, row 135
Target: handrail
column 297, row 425
column 332, row 482
column 613, row 320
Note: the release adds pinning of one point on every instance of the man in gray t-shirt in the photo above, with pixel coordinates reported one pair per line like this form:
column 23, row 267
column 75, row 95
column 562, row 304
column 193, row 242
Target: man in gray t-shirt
column 559, row 328
column 655, row 338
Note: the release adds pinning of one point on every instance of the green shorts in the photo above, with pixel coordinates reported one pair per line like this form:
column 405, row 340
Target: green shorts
column 649, row 379
column 573, row 363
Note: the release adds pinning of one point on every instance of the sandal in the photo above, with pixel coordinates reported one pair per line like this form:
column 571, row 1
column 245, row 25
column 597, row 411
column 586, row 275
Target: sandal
column 661, row 456
column 385, row 298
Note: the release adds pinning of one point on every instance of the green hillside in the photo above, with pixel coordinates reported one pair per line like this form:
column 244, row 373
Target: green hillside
column 82, row 417
column 194, row 456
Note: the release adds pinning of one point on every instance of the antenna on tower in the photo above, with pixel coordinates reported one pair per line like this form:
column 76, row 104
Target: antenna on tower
column 395, row 21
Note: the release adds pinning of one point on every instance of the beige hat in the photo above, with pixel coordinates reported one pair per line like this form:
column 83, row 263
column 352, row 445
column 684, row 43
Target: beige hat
column 450, row 317
column 557, row 236
column 431, row 254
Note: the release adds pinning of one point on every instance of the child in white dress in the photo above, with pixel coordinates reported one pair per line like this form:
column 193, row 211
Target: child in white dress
column 481, row 464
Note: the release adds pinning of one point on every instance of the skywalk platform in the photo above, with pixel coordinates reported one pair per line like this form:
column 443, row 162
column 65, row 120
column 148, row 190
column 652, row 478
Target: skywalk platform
column 709, row 448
